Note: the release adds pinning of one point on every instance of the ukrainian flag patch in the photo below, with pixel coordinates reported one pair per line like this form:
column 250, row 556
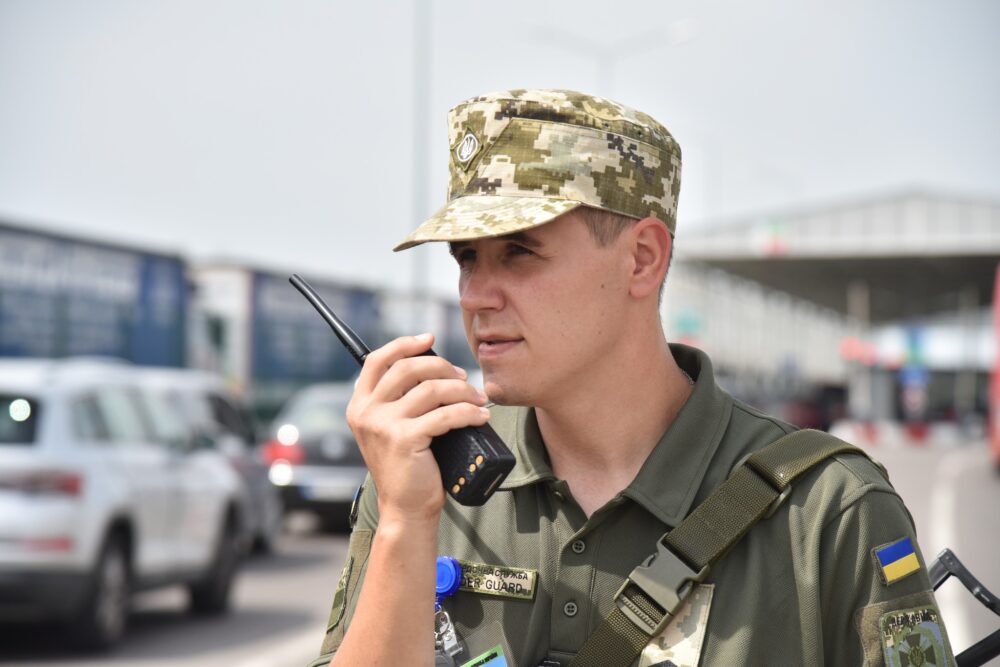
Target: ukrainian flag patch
column 896, row 560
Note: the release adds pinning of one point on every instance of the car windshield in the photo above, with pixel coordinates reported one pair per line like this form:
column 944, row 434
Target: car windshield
column 18, row 419
column 318, row 415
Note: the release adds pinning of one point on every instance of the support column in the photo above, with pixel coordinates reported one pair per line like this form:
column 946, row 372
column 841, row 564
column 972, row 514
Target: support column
column 859, row 399
column 965, row 376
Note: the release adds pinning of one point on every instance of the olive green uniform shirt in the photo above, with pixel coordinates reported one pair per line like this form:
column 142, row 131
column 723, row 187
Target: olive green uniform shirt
column 802, row 588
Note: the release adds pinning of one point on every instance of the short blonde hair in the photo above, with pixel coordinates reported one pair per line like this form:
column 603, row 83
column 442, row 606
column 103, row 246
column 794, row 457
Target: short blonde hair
column 606, row 226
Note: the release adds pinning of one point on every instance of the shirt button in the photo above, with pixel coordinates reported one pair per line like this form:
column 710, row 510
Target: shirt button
column 570, row 609
column 579, row 547
column 559, row 495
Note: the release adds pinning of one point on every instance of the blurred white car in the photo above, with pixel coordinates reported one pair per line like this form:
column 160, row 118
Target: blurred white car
column 104, row 490
column 212, row 410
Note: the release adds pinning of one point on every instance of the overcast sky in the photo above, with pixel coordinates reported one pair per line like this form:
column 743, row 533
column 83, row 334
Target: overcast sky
column 281, row 133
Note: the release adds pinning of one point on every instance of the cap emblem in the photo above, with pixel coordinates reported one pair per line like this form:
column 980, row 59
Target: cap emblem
column 467, row 148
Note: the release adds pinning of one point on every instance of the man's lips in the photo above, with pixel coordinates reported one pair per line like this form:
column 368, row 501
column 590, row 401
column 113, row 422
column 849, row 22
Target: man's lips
column 494, row 345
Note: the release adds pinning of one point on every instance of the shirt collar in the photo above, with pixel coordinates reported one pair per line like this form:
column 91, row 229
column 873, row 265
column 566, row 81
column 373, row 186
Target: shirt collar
column 522, row 435
column 672, row 473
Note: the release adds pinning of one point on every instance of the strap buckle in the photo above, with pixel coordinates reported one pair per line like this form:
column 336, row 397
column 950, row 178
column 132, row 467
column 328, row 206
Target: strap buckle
column 663, row 581
column 782, row 493
column 778, row 502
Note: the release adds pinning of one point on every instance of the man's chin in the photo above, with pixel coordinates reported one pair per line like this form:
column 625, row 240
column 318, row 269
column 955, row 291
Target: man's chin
column 500, row 394
column 493, row 392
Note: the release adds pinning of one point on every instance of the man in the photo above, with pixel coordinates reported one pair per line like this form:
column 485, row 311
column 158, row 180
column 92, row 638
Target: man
column 561, row 216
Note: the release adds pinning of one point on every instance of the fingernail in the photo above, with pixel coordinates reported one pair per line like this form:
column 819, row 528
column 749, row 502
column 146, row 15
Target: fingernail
column 485, row 412
column 461, row 371
column 423, row 338
column 482, row 394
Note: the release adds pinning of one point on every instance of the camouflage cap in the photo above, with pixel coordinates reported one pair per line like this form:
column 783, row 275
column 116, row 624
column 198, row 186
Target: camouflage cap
column 521, row 158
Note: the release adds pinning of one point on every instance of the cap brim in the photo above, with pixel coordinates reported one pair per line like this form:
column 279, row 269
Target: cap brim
column 484, row 216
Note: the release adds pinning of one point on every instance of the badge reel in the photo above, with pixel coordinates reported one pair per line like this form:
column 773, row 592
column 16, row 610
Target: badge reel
column 447, row 646
column 487, row 646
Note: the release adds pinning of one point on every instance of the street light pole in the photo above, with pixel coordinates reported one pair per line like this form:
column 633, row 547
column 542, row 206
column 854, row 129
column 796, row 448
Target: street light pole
column 421, row 158
column 607, row 55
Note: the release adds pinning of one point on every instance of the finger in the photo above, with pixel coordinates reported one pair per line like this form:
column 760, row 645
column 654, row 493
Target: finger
column 449, row 417
column 406, row 374
column 379, row 361
column 432, row 394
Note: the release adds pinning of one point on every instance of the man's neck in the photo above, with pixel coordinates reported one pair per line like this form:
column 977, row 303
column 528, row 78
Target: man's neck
column 599, row 435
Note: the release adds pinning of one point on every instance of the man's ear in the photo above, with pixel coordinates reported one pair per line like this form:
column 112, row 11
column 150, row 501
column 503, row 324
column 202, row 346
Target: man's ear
column 651, row 243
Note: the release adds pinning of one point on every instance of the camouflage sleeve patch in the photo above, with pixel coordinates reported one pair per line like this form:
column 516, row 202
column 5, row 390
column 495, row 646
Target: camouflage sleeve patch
column 357, row 554
column 914, row 637
column 905, row 632
column 681, row 641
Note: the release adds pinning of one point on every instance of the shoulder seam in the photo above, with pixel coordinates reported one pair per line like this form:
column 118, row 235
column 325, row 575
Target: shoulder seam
column 852, row 498
column 747, row 410
column 838, row 458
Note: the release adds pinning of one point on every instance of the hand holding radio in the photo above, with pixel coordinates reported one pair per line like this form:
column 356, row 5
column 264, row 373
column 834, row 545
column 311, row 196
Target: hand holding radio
column 400, row 403
column 406, row 395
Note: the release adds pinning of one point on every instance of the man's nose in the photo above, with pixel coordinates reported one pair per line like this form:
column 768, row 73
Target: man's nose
column 480, row 289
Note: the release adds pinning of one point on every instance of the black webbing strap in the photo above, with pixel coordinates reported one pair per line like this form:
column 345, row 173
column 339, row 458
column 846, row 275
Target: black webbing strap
column 655, row 590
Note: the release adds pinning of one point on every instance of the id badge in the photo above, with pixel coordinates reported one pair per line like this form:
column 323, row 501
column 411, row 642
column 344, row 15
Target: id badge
column 494, row 657
column 487, row 647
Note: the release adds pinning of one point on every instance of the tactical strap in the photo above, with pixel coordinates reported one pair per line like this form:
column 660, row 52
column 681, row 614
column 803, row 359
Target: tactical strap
column 655, row 590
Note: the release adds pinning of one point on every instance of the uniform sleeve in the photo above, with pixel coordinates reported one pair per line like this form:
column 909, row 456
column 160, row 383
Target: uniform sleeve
column 878, row 608
column 364, row 521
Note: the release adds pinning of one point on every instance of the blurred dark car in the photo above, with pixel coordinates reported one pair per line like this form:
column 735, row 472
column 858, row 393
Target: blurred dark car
column 313, row 457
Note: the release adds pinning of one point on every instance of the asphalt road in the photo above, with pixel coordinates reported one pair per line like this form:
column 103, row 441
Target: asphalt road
column 283, row 600
column 279, row 615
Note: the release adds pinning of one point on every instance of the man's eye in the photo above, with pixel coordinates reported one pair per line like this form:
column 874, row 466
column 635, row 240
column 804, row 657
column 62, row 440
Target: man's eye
column 464, row 256
column 515, row 249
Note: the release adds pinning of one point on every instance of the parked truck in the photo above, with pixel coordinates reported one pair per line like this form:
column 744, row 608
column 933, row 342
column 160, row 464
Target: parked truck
column 63, row 296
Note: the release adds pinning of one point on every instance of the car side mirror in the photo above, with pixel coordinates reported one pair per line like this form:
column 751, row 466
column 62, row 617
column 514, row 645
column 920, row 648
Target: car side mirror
column 199, row 442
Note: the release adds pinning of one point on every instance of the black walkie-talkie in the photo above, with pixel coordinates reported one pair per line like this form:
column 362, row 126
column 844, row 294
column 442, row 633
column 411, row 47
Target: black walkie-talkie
column 473, row 460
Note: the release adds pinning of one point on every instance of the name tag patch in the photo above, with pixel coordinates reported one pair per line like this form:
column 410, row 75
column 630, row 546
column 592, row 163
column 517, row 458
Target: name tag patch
column 498, row 580
column 913, row 637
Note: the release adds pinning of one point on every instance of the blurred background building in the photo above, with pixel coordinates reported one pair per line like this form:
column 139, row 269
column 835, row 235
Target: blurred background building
column 876, row 308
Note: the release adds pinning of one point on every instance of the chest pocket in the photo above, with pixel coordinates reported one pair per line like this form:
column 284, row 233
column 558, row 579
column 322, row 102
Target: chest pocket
column 680, row 643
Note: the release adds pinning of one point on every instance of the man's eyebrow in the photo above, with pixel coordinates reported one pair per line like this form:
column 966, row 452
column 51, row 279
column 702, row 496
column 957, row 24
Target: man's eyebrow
column 522, row 238
column 516, row 237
